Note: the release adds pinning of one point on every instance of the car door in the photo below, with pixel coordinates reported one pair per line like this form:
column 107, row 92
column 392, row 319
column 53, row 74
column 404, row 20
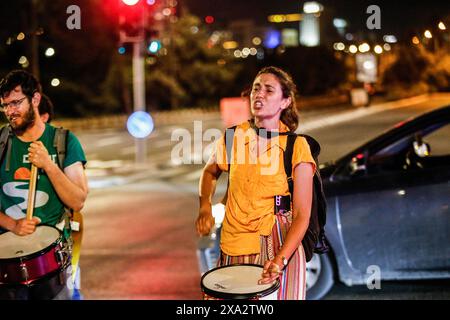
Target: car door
column 396, row 215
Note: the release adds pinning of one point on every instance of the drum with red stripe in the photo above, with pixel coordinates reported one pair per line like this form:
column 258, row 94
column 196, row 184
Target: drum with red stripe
column 27, row 259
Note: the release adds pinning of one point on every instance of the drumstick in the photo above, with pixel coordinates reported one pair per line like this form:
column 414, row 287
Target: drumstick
column 32, row 192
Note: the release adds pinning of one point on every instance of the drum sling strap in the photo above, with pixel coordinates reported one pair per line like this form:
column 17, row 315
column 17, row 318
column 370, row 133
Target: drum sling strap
column 73, row 220
column 70, row 220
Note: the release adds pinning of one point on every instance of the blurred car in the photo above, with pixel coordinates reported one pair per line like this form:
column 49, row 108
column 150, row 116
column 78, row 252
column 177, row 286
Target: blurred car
column 388, row 212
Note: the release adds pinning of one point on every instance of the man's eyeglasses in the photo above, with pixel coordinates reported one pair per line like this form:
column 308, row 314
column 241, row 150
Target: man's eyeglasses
column 13, row 104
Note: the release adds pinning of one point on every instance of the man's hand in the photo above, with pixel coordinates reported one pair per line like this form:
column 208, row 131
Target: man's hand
column 25, row 227
column 38, row 155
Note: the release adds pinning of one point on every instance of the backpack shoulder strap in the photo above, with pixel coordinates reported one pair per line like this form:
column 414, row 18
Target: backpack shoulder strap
column 5, row 144
column 315, row 151
column 4, row 135
column 60, row 142
column 318, row 185
column 313, row 145
column 288, row 160
column 229, row 138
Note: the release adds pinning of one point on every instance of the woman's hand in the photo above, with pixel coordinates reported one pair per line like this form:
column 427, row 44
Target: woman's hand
column 205, row 221
column 270, row 273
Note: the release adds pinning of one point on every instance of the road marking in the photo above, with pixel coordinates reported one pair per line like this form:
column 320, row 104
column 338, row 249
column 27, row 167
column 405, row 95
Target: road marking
column 361, row 112
column 103, row 183
column 99, row 164
column 171, row 172
column 128, row 150
column 110, row 141
column 193, row 175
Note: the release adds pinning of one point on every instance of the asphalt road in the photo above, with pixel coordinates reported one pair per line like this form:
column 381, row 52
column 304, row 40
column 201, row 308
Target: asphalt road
column 393, row 290
column 139, row 240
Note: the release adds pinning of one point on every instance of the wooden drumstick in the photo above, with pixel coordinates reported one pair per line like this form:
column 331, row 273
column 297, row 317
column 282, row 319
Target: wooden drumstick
column 32, row 192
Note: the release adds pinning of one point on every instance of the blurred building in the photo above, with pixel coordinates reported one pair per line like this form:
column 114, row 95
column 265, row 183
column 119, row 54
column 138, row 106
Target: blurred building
column 310, row 25
column 290, row 37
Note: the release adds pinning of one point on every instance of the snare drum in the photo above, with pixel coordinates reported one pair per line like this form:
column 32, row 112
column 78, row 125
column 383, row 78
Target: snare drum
column 238, row 281
column 25, row 259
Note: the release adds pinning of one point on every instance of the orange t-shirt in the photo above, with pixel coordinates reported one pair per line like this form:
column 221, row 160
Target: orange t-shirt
column 254, row 181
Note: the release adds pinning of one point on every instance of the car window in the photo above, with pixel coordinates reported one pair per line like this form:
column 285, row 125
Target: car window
column 439, row 141
column 428, row 146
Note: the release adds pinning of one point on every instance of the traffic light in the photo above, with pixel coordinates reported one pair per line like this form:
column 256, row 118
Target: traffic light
column 153, row 41
column 209, row 19
column 154, row 46
column 131, row 21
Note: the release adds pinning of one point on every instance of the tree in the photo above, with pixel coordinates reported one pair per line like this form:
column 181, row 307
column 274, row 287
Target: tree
column 316, row 70
column 409, row 68
column 189, row 69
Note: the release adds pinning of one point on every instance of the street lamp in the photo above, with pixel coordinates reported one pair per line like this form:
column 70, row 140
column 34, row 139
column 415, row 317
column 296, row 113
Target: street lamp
column 389, row 38
column 312, row 7
column 378, row 49
column 55, row 82
column 364, row 47
column 442, row 26
column 428, row 34
column 49, row 52
column 353, row 49
column 339, row 46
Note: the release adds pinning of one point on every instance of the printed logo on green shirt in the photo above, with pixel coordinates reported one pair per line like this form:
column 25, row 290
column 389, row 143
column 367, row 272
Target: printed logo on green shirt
column 15, row 182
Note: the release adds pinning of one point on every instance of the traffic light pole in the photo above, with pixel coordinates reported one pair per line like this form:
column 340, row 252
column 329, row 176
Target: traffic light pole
column 139, row 95
column 135, row 11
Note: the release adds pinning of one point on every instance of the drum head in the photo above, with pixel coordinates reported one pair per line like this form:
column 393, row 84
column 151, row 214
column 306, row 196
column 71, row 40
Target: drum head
column 238, row 281
column 14, row 246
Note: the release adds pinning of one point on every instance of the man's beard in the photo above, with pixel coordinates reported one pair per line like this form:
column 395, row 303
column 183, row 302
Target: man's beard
column 27, row 122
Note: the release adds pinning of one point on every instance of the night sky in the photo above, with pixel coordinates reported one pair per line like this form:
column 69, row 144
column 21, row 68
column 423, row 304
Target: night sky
column 396, row 16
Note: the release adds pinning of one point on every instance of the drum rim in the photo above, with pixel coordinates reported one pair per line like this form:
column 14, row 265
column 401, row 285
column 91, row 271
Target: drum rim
column 236, row 296
column 37, row 253
column 37, row 281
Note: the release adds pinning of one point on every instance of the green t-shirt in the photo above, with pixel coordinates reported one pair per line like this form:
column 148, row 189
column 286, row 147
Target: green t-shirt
column 15, row 182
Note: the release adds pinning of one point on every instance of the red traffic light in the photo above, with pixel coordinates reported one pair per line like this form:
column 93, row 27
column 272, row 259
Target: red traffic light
column 209, row 19
column 130, row 2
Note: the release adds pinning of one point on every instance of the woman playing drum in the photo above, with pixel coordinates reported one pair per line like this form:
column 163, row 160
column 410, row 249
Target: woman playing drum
column 257, row 229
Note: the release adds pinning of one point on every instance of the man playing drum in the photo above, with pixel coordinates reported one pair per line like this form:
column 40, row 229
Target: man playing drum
column 32, row 142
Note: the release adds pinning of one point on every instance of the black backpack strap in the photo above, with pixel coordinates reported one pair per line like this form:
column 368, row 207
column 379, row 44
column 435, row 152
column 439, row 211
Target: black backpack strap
column 60, row 142
column 288, row 161
column 314, row 146
column 5, row 143
column 318, row 186
column 229, row 138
